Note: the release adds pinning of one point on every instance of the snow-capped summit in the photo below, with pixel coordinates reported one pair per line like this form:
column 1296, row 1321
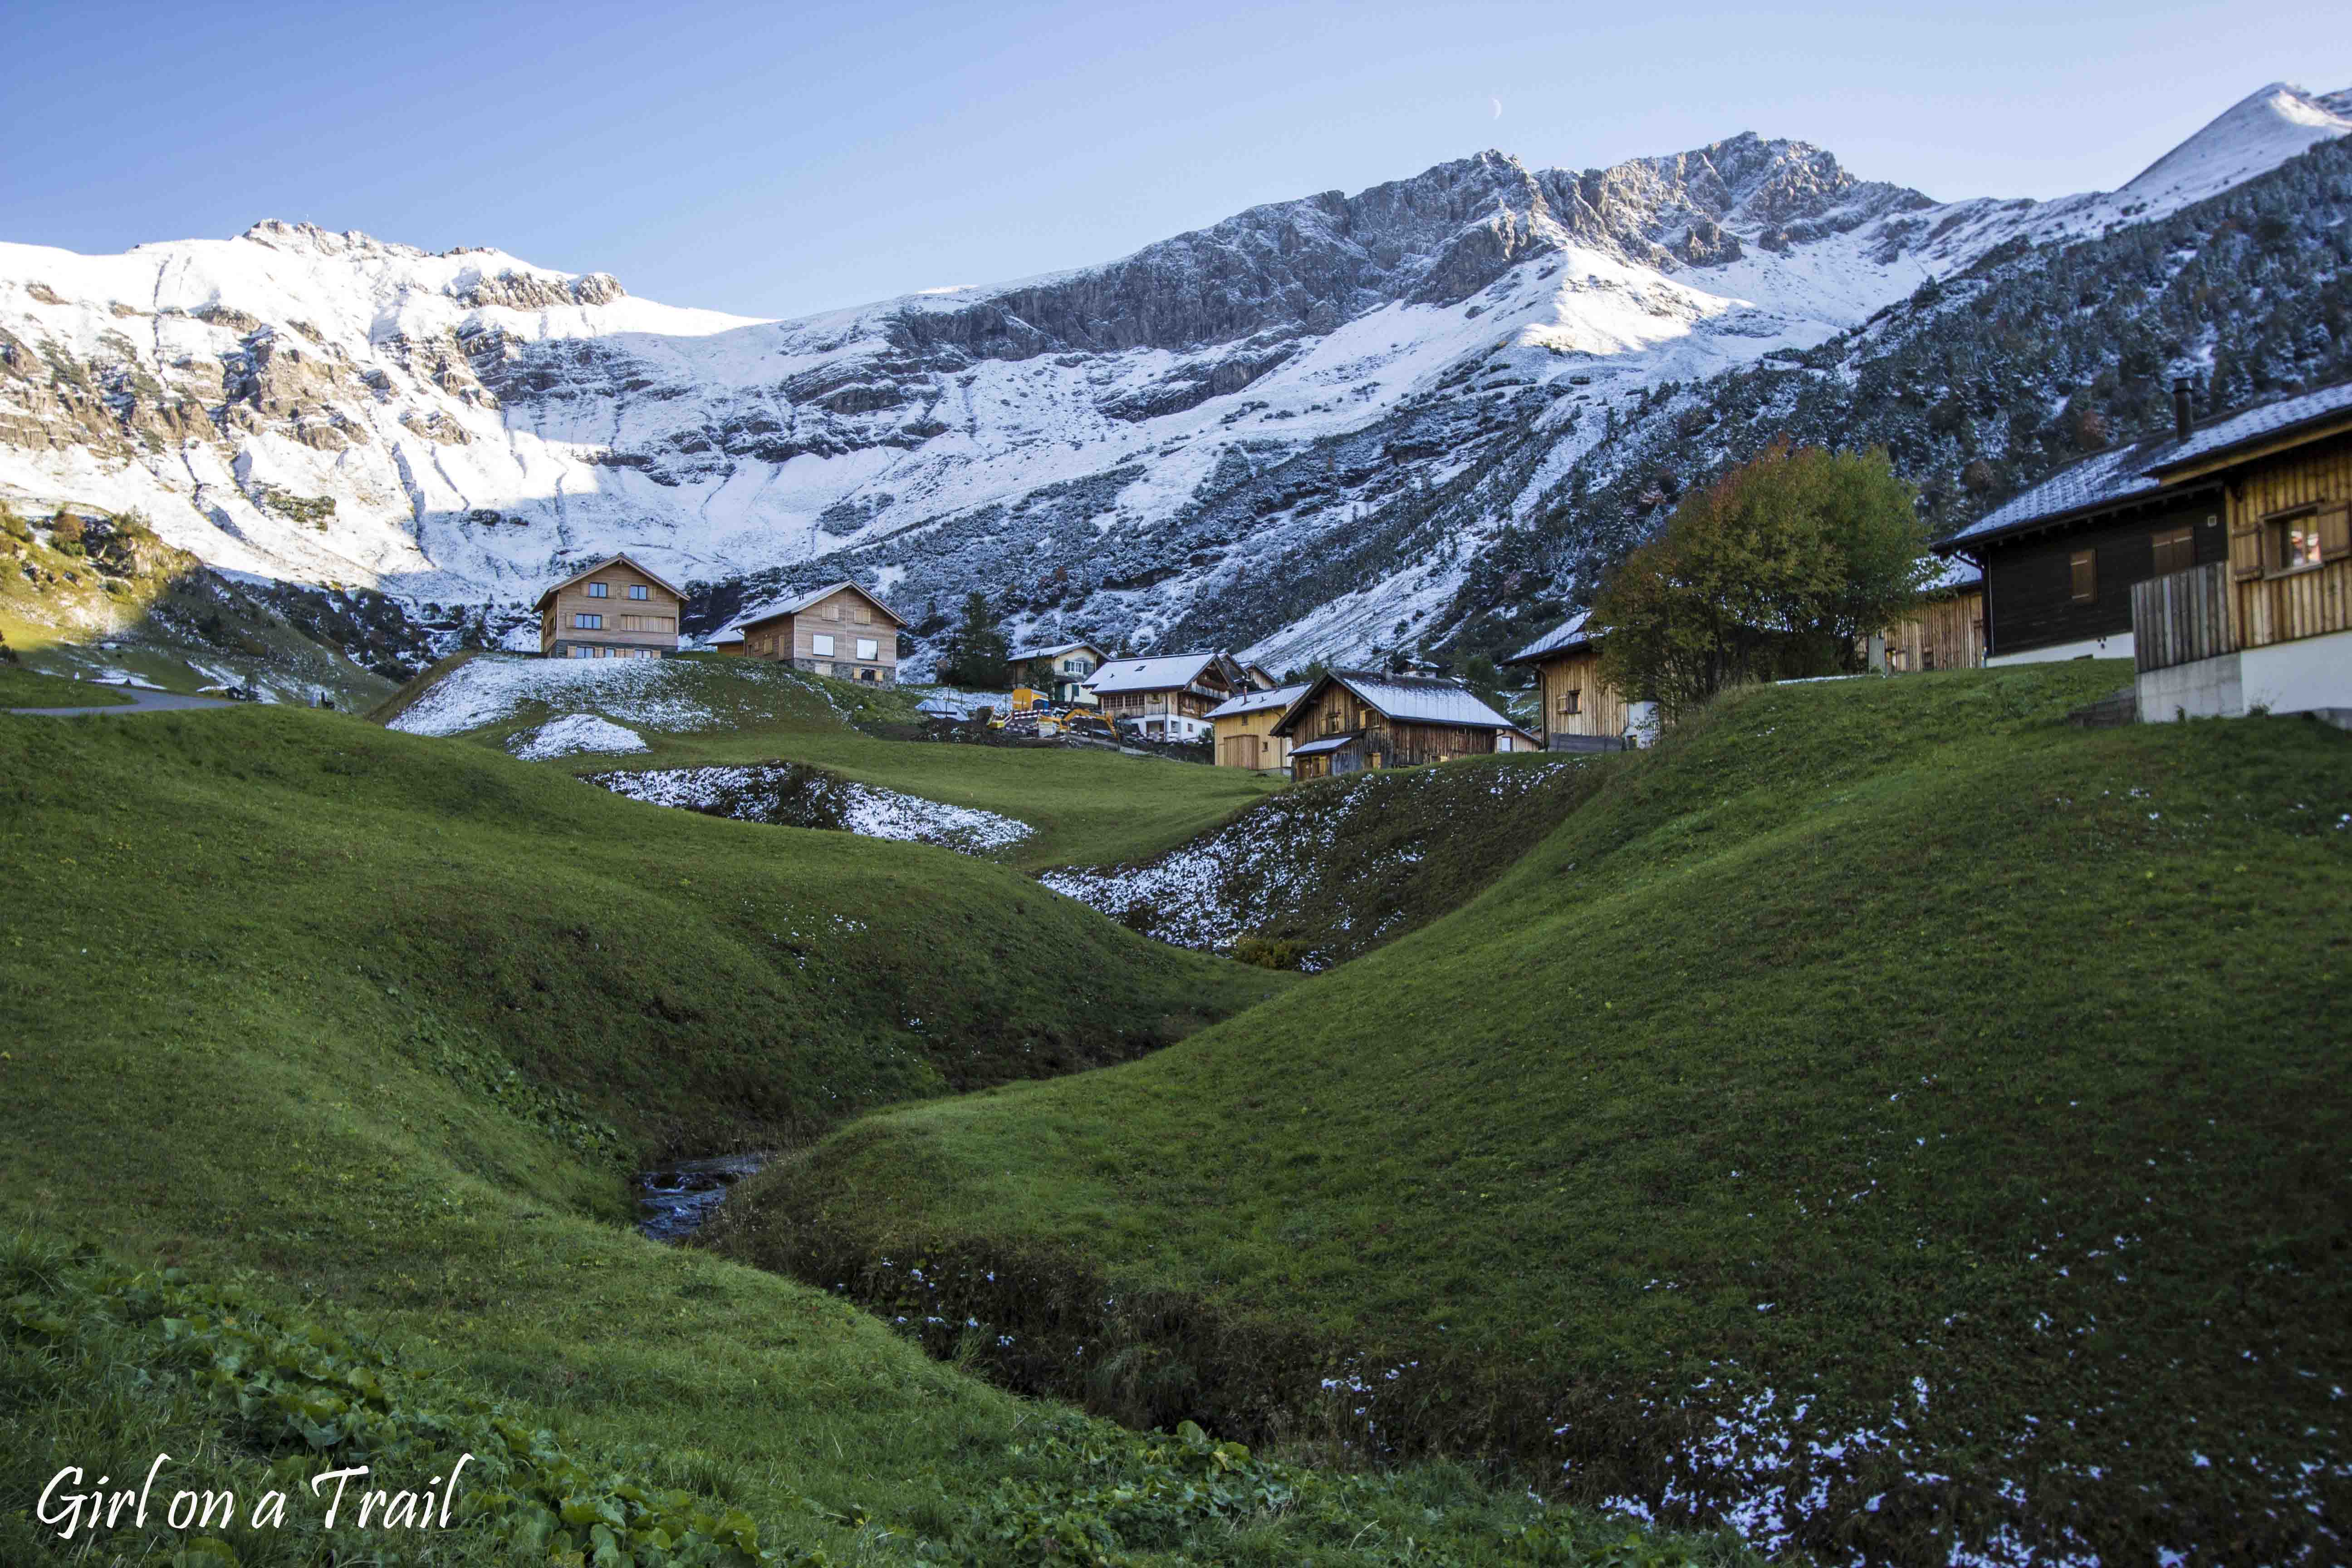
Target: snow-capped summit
column 1223, row 435
column 2259, row 132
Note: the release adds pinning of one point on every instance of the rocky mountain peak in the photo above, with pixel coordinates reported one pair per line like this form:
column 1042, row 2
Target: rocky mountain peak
column 309, row 239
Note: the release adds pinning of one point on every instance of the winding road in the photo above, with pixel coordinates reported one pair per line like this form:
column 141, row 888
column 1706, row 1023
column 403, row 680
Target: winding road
column 143, row 700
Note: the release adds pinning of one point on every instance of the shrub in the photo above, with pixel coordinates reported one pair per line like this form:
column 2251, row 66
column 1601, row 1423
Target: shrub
column 1776, row 569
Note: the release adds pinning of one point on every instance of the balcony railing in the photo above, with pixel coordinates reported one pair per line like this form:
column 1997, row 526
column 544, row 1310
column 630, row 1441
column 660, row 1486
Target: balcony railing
column 2183, row 616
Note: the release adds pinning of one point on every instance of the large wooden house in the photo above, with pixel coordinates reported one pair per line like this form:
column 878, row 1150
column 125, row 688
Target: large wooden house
column 839, row 630
column 1581, row 712
column 1244, row 728
column 2059, row 560
column 1167, row 698
column 2268, row 626
column 614, row 609
column 2225, row 543
column 1059, row 671
column 1350, row 720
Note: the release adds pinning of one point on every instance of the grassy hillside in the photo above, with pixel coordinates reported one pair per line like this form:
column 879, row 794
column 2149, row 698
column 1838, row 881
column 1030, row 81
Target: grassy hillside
column 1316, row 875
column 1881, row 1113
column 23, row 687
column 85, row 594
column 1088, row 805
column 332, row 1047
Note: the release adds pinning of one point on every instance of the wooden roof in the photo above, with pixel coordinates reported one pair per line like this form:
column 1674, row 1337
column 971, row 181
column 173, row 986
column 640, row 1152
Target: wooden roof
column 793, row 606
column 624, row 560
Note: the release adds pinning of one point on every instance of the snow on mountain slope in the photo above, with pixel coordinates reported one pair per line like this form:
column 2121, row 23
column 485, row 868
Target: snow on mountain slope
column 2258, row 134
column 1268, row 412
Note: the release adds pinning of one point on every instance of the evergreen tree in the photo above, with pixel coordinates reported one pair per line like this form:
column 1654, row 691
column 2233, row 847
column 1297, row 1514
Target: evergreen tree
column 976, row 653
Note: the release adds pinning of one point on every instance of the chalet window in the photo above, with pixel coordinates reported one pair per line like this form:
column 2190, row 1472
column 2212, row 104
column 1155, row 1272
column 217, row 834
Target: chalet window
column 2082, row 572
column 822, row 645
column 2175, row 550
column 840, row 611
column 639, row 591
column 868, row 647
column 2291, row 542
column 582, row 621
column 1572, row 702
column 599, row 590
column 863, row 618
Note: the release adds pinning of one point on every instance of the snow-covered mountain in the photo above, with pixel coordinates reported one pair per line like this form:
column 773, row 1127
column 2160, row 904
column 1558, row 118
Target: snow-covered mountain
column 1240, row 434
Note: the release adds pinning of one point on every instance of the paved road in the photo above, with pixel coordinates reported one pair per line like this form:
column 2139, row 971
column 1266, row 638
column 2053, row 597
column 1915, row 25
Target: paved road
column 142, row 701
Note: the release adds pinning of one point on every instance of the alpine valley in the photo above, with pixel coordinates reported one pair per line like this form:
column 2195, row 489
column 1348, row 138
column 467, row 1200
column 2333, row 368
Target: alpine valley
column 1422, row 418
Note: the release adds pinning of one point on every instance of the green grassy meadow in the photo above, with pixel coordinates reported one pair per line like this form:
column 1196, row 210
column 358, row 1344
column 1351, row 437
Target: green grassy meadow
column 328, row 1054
column 1881, row 1069
column 1088, row 806
column 22, row 687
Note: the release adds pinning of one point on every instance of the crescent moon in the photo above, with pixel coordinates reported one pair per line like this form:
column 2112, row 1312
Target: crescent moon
column 1498, row 106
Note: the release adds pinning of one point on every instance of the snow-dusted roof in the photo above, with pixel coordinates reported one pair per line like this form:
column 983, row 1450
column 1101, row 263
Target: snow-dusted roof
column 1420, row 701
column 1951, row 574
column 2260, row 424
column 793, row 606
column 1328, row 743
column 1569, row 634
column 587, row 571
column 1408, row 699
column 726, row 634
column 1256, row 702
column 1056, row 651
column 1165, row 673
column 2128, row 473
column 2100, row 481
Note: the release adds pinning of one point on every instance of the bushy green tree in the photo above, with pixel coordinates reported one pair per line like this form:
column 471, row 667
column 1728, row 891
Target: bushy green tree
column 1779, row 568
column 976, row 653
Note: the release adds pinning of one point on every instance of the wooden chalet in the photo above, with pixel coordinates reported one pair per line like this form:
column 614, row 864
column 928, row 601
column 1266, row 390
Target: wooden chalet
column 840, row 630
column 1581, row 711
column 2059, row 560
column 2269, row 626
column 1350, row 720
column 1244, row 728
column 614, row 609
column 1059, row 671
column 1169, row 697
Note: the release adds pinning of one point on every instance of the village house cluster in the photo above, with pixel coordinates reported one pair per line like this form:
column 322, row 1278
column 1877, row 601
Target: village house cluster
column 2218, row 558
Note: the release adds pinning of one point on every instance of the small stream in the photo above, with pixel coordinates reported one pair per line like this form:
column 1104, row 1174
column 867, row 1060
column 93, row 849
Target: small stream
column 673, row 1200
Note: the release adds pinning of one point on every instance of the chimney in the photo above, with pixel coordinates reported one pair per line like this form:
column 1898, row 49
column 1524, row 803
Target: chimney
column 2183, row 419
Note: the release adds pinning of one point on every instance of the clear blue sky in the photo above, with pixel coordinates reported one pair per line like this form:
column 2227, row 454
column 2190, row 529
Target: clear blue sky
column 779, row 160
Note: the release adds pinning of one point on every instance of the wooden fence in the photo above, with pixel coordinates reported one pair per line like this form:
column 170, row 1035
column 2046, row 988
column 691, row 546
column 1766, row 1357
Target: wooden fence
column 2182, row 616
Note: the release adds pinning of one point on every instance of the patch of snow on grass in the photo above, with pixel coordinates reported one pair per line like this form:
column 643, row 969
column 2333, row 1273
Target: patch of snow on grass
column 789, row 795
column 651, row 693
column 574, row 732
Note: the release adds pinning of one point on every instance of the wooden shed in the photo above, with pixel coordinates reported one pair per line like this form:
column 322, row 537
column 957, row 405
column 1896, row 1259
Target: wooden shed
column 1353, row 719
column 1244, row 728
column 1581, row 711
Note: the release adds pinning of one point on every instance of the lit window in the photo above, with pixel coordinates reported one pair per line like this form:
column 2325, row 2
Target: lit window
column 599, row 590
column 821, row 644
column 2083, row 575
column 2292, row 543
column 869, row 648
column 639, row 591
